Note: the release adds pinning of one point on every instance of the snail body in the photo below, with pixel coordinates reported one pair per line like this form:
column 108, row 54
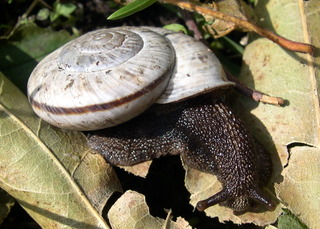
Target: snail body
column 96, row 82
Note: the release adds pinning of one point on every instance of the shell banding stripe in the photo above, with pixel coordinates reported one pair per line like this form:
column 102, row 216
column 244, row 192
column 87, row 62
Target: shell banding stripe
column 97, row 107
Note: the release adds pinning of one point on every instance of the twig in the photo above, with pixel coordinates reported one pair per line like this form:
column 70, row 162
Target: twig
column 288, row 44
column 33, row 5
column 30, row 8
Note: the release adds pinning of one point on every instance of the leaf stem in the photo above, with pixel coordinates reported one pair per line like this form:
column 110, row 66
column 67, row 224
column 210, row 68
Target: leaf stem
column 288, row 44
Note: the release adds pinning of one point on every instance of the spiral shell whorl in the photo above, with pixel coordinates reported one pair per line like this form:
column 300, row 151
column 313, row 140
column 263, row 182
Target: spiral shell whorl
column 65, row 93
column 98, row 50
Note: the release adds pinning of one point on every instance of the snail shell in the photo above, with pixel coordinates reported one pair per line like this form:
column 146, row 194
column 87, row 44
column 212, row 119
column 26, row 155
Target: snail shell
column 107, row 77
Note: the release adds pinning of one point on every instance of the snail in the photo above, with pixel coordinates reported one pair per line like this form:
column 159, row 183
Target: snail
column 108, row 82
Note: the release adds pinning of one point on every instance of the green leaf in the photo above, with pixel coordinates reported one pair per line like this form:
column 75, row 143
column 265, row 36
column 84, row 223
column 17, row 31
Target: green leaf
column 65, row 9
column 54, row 16
column 289, row 221
column 62, row 9
column 131, row 8
column 43, row 14
column 176, row 28
column 235, row 46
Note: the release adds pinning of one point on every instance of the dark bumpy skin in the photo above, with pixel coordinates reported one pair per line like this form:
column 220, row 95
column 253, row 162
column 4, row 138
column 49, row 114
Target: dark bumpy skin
column 209, row 138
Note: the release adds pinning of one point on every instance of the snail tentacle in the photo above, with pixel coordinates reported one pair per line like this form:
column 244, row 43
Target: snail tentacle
column 213, row 200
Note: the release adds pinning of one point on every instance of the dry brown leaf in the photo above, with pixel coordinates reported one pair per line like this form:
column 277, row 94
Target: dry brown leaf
column 181, row 223
column 134, row 212
column 94, row 166
column 270, row 227
column 293, row 130
column 140, row 169
column 301, row 185
column 218, row 28
column 51, row 172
